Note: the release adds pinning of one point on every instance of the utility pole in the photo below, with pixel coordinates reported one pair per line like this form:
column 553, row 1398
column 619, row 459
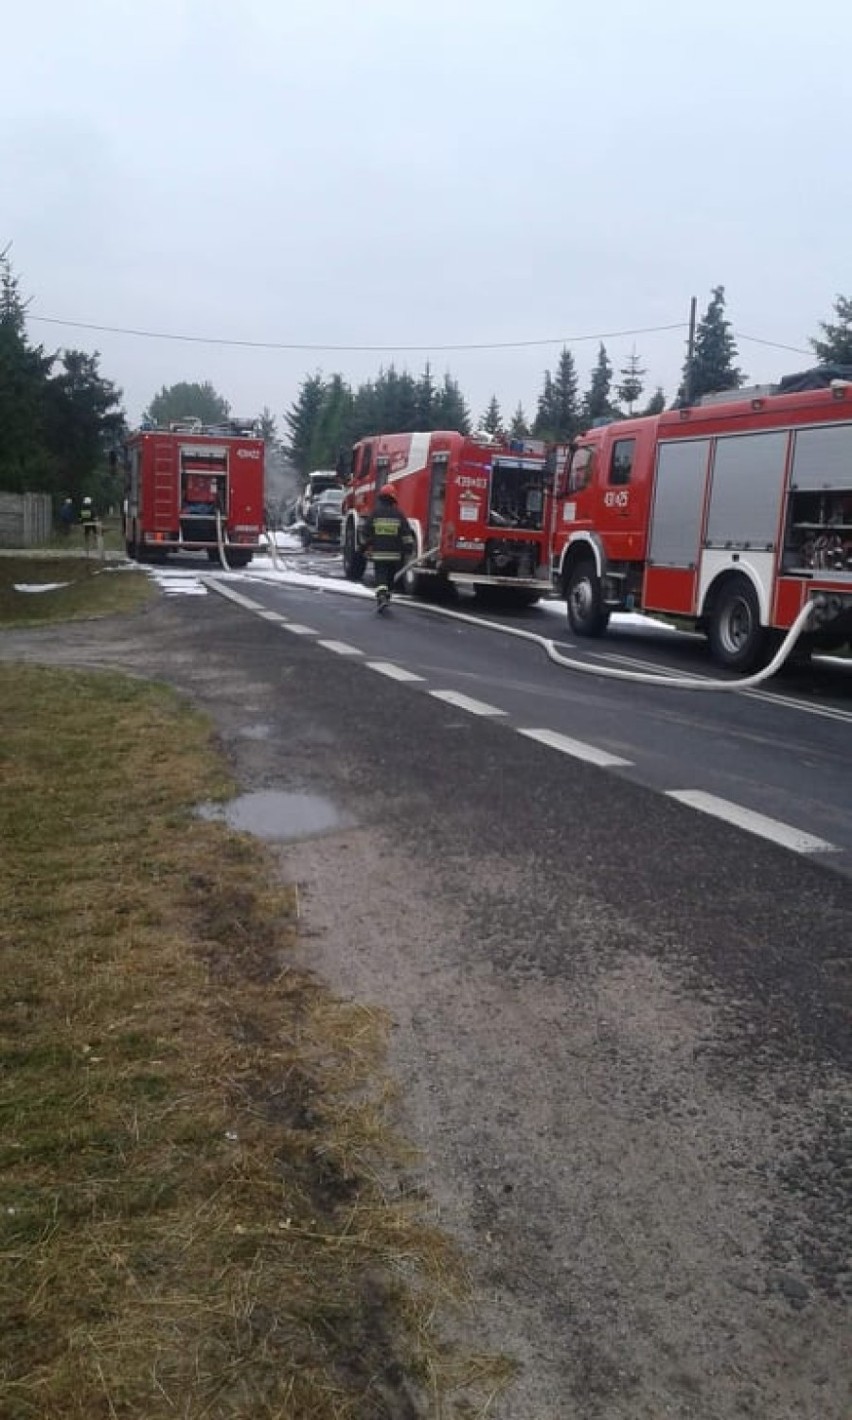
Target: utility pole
column 690, row 354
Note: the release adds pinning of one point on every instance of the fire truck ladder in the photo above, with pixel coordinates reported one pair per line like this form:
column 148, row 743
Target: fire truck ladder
column 164, row 483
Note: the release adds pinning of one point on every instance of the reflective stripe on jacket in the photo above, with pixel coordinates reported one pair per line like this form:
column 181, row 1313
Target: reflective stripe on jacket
column 386, row 536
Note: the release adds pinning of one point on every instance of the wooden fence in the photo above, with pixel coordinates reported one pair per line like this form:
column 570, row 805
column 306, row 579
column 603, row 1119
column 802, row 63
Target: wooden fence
column 26, row 519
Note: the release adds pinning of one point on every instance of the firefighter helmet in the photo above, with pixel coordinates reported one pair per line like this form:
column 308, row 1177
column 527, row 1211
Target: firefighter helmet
column 86, row 502
column 388, row 492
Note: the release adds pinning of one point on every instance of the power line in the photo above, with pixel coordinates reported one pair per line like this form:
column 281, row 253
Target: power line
column 352, row 349
column 318, row 348
column 774, row 344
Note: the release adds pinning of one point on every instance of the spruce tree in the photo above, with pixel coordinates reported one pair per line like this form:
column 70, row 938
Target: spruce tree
column 492, row 419
column 83, row 422
column 657, row 403
column 519, row 428
column 546, row 416
column 836, row 348
column 332, row 429
column 451, row 408
column 425, row 399
column 558, row 416
column 712, row 368
column 632, row 382
column 26, row 461
column 596, row 402
column 302, row 419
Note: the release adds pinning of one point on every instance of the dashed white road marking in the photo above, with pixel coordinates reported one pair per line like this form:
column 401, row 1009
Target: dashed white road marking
column 297, row 629
column 232, row 596
column 393, row 672
column 465, row 702
column 783, row 833
column 275, row 616
column 578, row 749
column 341, row 648
column 181, row 587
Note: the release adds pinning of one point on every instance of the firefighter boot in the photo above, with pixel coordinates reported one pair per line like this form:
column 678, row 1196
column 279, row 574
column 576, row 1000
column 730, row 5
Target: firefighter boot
column 382, row 599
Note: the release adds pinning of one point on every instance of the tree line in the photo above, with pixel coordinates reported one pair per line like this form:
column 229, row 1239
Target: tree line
column 328, row 414
column 60, row 419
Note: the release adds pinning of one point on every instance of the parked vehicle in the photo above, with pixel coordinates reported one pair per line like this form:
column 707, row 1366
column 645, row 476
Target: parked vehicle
column 189, row 487
column 730, row 513
column 317, row 482
column 480, row 509
column 323, row 519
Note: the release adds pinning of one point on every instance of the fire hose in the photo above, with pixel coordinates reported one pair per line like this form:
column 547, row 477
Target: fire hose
column 221, row 542
column 671, row 682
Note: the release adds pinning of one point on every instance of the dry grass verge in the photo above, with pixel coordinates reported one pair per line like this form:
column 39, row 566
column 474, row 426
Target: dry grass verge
column 83, row 587
column 203, row 1211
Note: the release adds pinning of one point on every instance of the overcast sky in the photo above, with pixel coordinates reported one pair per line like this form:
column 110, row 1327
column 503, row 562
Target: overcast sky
column 458, row 172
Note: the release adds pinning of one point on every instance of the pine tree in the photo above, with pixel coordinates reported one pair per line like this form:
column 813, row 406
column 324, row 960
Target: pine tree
column 27, row 463
column 836, row 349
column 558, row 416
column 267, row 425
column 632, row 383
column 657, row 403
column 596, row 401
column 451, row 408
column 83, row 421
column 519, row 428
column 332, row 430
column 492, row 419
column 546, row 417
column 425, row 399
column 302, row 419
column 712, row 368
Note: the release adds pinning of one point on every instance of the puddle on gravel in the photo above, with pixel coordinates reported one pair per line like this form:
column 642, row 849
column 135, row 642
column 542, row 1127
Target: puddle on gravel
column 278, row 816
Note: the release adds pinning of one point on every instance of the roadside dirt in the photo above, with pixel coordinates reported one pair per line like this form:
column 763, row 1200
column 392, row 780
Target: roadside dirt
column 652, row 1193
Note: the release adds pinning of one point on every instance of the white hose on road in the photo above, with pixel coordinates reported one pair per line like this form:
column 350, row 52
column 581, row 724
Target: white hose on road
column 221, row 541
column 670, row 682
column 415, row 562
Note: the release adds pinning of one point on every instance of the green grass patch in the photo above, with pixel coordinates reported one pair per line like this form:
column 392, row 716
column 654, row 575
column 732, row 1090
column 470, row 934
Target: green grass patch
column 84, row 587
column 203, row 1208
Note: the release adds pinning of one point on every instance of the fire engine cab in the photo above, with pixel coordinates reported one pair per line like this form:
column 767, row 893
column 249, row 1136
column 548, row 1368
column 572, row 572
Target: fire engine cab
column 480, row 509
column 194, row 488
column 730, row 513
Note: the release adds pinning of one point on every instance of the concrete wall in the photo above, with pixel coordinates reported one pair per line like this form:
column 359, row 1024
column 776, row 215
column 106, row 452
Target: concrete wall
column 25, row 519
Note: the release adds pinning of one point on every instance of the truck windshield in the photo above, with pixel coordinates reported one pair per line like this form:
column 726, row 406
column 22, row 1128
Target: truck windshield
column 581, row 469
column 517, row 494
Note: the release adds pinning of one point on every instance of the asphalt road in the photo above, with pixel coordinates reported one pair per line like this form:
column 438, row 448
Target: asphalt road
column 774, row 760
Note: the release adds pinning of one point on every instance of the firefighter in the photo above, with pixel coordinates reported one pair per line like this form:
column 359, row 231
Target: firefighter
column 387, row 538
column 67, row 516
column 88, row 521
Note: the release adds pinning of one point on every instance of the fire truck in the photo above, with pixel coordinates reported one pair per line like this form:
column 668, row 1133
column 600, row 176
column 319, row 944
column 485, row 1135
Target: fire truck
column 188, row 486
column 729, row 513
column 480, row 509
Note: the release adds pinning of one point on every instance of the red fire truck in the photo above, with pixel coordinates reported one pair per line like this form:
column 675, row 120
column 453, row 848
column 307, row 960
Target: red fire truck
column 480, row 509
column 730, row 513
column 186, row 485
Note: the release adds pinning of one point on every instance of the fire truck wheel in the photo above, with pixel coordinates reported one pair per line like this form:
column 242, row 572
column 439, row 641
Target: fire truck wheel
column 587, row 615
column 354, row 562
column 737, row 639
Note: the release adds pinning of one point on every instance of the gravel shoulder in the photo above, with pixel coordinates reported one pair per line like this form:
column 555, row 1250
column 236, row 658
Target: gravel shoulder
column 621, row 1036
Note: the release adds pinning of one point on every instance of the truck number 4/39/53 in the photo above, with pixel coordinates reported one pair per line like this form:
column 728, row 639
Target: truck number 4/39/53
column 619, row 499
